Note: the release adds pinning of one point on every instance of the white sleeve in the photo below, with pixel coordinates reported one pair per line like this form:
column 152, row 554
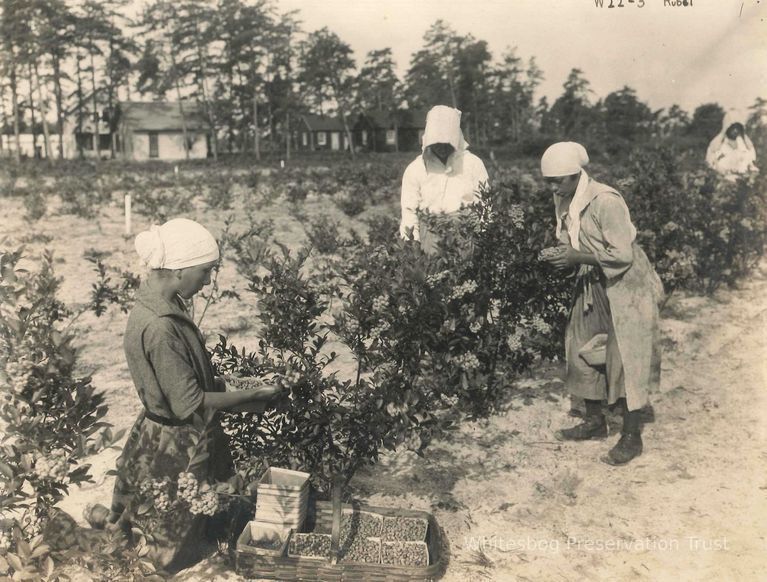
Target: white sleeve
column 479, row 176
column 713, row 153
column 481, row 173
column 410, row 201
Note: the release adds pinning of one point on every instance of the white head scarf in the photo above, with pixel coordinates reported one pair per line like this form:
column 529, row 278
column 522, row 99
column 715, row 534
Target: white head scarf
column 443, row 125
column 177, row 244
column 564, row 158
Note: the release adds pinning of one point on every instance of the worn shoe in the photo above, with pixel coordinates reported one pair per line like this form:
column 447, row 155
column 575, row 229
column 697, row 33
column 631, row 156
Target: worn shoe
column 628, row 447
column 591, row 428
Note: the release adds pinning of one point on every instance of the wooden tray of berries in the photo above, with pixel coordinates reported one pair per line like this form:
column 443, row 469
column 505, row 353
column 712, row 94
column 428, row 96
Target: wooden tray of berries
column 375, row 544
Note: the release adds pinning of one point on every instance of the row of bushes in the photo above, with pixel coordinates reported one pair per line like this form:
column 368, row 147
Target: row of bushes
column 164, row 193
column 436, row 335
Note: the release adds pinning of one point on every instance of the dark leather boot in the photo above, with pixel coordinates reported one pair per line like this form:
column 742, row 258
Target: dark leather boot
column 593, row 427
column 628, row 447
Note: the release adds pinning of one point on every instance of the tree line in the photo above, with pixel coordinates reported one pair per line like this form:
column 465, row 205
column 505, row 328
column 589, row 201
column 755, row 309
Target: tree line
column 251, row 70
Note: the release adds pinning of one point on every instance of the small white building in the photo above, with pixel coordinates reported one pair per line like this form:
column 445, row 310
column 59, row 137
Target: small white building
column 154, row 131
column 27, row 145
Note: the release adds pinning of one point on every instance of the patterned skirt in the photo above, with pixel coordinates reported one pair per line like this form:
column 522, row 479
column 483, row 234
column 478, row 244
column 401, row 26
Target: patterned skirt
column 154, row 451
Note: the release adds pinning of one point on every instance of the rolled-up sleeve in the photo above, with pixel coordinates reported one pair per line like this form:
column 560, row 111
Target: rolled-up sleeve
column 410, row 201
column 174, row 370
column 616, row 253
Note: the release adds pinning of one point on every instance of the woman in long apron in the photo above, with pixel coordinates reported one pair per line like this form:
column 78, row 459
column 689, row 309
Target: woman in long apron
column 611, row 343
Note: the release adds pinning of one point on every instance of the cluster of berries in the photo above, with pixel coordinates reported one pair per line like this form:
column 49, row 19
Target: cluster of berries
column 206, row 503
column 514, row 342
column 550, row 253
column 437, row 278
column 517, row 215
column 463, row 289
column 187, row 487
column 380, row 303
column 539, row 325
column 376, row 332
column 54, row 467
column 5, row 540
column 159, row 491
column 467, row 361
column 19, row 373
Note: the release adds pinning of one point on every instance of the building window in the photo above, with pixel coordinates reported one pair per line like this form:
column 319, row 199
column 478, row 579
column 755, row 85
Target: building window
column 154, row 146
column 304, row 139
column 84, row 141
column 364, row 137
column 391, row 137
column 322, row 138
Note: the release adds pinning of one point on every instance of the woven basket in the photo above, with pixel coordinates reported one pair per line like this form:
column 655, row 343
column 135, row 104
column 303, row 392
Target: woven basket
column 326, row 516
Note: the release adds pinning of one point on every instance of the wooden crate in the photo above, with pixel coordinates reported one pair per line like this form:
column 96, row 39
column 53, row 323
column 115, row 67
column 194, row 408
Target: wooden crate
column 278, row 481
column 282, row 497
column 256, row 530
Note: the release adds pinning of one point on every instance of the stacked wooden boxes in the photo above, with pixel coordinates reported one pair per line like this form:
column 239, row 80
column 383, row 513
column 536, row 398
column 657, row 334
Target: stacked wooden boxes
column 282, row 498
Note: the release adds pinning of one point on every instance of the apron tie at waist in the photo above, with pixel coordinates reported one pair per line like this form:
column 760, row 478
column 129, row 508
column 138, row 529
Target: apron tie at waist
column 167, row 421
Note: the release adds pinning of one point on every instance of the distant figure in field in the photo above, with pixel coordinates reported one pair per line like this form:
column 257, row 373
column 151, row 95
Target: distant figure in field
column 731, row 152
column 444, row 178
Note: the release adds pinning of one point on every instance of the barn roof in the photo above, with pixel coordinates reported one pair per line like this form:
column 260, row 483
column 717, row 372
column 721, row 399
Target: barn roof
column 161, row 115
column 322, row 123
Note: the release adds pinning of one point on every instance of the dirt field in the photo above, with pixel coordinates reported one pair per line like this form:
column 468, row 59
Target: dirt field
column 514, row 503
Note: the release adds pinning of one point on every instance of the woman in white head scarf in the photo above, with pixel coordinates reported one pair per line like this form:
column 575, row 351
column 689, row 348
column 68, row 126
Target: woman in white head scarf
column 731, row 152
column 174, row 379
column 444, row 178
column 611, row 342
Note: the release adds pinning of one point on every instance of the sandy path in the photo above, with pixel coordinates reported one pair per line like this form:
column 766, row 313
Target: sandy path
column 517, row 506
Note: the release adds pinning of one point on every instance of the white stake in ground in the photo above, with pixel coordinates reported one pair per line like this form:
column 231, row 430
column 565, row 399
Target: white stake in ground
column 127, row 214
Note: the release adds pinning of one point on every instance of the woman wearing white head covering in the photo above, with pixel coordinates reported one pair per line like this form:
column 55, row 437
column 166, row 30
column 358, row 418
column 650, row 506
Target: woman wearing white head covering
column 615, row 304
column 445, row 177
column 731, row 152
column 174, row 379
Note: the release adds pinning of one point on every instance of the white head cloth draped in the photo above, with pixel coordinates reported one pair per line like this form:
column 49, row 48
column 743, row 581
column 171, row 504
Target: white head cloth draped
column 177, row 244
column 443, row 125
column 567, row 158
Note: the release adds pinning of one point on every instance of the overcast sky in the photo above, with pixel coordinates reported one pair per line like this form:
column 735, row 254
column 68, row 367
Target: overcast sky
column 714, row 50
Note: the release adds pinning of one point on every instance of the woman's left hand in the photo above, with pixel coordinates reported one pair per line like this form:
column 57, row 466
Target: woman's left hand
column 566, row 259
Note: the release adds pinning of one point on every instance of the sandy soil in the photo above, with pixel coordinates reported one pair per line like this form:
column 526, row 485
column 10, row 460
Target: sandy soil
column 514, row 503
